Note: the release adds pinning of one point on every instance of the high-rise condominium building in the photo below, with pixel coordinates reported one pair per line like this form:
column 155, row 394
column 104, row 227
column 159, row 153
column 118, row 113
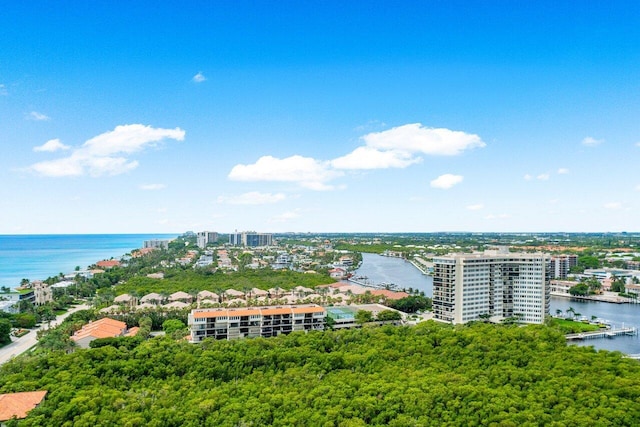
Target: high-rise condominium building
column 156, row 244
column 561, row 265
column 250, row 238
column 494, row 284
column 206, row 237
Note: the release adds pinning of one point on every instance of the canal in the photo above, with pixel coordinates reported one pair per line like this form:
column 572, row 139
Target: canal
column 380, row 269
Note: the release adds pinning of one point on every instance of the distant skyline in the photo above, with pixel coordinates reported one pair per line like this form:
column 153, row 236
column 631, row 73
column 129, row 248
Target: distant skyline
column 161, row 117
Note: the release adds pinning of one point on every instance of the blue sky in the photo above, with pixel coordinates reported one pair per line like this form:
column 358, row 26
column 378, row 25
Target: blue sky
column 319, row 116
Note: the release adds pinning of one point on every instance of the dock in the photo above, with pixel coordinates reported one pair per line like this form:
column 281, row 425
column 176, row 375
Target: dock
column 364, row 281
column 607, row 333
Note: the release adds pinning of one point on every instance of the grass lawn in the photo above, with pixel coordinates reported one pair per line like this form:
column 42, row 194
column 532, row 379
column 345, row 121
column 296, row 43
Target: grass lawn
column 59, row 312
column 572, row 327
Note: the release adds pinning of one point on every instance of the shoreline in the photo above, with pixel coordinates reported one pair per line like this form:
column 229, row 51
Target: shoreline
column 612, row 299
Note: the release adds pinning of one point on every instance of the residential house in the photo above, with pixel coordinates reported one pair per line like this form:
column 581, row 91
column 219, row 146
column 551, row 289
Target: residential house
column 103, row 328
column 18, row 405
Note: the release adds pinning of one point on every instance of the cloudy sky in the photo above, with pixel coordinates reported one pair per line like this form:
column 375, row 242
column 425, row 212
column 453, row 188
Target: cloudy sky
column 135, row 117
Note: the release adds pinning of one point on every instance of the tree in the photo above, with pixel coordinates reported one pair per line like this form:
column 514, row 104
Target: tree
column 5, row 331
column 363, row 316
column 25, row 320
column 581, row 289
column 588, row 261
column 618, row 284
column 55, row 339
column 172, row 325
column 594, row 284
column 388, row 315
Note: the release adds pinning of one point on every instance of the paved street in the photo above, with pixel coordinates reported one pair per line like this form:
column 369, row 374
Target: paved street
column 24, row 343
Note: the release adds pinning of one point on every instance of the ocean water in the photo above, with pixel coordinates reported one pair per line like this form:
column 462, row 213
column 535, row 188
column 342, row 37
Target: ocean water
column 36, row 257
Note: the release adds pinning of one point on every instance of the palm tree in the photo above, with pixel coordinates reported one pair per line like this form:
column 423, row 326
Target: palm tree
column 571, row 312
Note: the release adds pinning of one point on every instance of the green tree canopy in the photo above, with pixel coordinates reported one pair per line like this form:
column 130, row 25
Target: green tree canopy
column 5, row 331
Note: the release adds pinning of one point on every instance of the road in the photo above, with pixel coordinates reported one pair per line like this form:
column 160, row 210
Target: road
column 24, row 343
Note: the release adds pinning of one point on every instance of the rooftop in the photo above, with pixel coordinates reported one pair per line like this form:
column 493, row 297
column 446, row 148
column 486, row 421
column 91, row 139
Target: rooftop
column 19, row 404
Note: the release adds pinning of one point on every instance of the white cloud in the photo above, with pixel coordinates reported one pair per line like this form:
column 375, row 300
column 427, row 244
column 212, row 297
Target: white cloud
column 152, row 187
column 398, row 147
column 527, row 177
column 415, row 138
column 306, row 171
column 446, row 181
column 563, row 171
column 591, row 142
column 372, row 158
column 638, row 187
column 543, row 177
column 286, row 216
column 199, row 78
column 638, row 144
column 51, row 145
column 614, row 206
column 252, row 198
column 3, row 90
column 475, row 207
column 107, row 154
column 34, row 115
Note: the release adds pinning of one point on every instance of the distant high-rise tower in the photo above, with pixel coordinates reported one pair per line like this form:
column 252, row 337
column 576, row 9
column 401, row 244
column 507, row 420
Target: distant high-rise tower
column 251, row 238
column 561, row 265
column 206, row 237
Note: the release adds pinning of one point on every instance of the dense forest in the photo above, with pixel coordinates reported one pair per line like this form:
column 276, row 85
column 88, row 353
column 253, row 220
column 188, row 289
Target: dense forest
column 430, row 374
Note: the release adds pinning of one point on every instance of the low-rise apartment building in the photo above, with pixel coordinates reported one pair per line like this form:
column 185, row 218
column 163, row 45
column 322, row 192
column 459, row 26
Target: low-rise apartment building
column 232, row 323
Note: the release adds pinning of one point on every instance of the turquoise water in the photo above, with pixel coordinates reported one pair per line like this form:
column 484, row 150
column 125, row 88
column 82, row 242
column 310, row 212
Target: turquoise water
column 36, row 257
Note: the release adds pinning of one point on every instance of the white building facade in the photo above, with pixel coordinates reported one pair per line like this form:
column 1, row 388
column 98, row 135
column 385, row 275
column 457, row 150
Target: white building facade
column 206, row 237
column 494, row 284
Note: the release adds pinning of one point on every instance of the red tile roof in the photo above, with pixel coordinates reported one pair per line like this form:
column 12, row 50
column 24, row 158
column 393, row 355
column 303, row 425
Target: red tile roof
column 18, row 404
column 102, row 328
column 108, row 263
column 389, row 294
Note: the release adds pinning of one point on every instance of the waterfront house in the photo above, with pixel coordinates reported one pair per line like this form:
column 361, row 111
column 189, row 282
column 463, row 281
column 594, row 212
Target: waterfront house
column 389, row 295
column 108, row 263
column 338, row 273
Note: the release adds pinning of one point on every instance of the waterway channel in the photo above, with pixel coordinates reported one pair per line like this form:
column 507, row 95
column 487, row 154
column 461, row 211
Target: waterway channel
column 379, row 269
